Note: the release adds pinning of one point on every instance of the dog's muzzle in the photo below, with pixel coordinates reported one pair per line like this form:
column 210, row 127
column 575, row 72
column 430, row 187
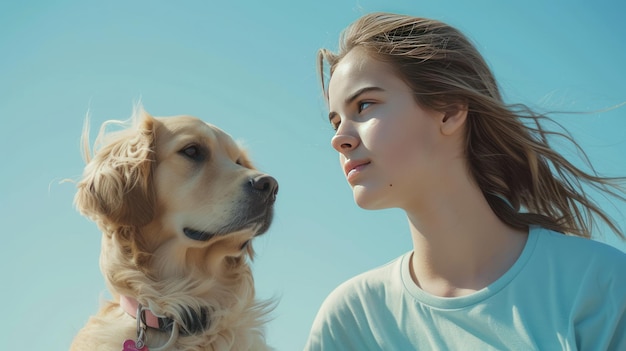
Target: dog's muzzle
column 256, row 211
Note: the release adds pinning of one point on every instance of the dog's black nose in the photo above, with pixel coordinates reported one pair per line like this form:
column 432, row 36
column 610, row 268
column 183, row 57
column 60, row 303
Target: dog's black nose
column 265, row 184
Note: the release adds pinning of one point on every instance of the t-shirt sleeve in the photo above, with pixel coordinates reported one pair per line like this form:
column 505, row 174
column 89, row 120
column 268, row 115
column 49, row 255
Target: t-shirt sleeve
column 339, row 324
column 334, row 326
column 355, row 316
column 618, row 341
column 601, row 322
column 615, row 306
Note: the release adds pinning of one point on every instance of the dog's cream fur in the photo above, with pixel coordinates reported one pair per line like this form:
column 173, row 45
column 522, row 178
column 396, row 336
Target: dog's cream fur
column 144, row 186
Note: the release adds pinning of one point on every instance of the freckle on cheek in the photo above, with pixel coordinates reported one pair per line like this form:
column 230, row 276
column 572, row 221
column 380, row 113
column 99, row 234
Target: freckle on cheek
column 390, row 184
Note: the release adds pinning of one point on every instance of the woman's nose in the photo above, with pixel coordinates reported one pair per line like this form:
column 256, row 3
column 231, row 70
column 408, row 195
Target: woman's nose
column 343, row 142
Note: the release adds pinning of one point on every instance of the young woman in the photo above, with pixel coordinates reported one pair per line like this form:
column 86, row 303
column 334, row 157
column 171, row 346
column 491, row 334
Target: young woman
column 499, row 221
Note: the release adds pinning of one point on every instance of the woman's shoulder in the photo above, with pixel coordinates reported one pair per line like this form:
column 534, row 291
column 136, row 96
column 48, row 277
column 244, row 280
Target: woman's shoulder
column 572, row 246
column 350, row 312
column 581, row 257
column 374, row 283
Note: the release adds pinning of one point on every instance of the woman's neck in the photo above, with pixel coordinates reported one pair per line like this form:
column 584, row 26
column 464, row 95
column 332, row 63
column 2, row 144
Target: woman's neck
column 460, row 246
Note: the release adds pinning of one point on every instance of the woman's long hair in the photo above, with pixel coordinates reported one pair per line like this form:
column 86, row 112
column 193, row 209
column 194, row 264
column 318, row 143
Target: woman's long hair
column 525, row 181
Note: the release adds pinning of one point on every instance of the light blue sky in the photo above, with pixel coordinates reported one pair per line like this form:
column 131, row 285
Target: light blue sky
column 249, row 67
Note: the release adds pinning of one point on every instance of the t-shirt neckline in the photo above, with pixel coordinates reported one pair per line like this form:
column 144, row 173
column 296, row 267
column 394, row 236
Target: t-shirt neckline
column 468, row 300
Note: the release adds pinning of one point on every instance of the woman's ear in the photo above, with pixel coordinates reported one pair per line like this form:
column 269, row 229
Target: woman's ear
column 453, row 119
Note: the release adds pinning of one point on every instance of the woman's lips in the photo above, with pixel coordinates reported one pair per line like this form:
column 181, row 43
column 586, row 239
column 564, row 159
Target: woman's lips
column 354, row 168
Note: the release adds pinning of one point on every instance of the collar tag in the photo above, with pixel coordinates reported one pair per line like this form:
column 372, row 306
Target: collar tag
column 130, row 345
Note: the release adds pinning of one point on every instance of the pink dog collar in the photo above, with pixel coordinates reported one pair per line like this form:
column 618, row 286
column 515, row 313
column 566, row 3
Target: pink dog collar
column 130, row 305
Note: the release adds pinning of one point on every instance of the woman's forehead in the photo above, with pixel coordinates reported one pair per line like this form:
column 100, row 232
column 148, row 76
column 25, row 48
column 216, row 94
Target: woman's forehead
column 355, row 60
column 357, row 70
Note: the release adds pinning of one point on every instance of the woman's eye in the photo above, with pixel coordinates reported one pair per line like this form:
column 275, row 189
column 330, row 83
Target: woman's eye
column 363, row 105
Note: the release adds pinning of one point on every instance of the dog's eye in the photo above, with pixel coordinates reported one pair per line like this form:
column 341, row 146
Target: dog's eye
column 193, row 152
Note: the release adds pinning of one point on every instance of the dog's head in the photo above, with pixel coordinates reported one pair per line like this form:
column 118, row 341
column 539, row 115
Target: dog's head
column 173, row 195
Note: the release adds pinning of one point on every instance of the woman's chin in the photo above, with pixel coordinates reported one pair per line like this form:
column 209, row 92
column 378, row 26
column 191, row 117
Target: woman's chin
column 367, row 200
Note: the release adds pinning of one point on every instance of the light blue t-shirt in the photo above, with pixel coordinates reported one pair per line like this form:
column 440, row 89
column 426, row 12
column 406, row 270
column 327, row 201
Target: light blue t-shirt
column 563, row 293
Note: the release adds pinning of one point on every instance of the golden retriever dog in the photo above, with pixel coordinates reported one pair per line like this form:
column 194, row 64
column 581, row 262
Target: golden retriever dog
column 178, row 203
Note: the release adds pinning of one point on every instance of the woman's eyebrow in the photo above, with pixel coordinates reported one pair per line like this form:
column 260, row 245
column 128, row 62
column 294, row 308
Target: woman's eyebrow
column 363, row 90
column 354, row 96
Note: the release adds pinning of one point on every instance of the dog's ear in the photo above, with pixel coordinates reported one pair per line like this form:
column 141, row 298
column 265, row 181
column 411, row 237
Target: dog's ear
column 116, row 186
